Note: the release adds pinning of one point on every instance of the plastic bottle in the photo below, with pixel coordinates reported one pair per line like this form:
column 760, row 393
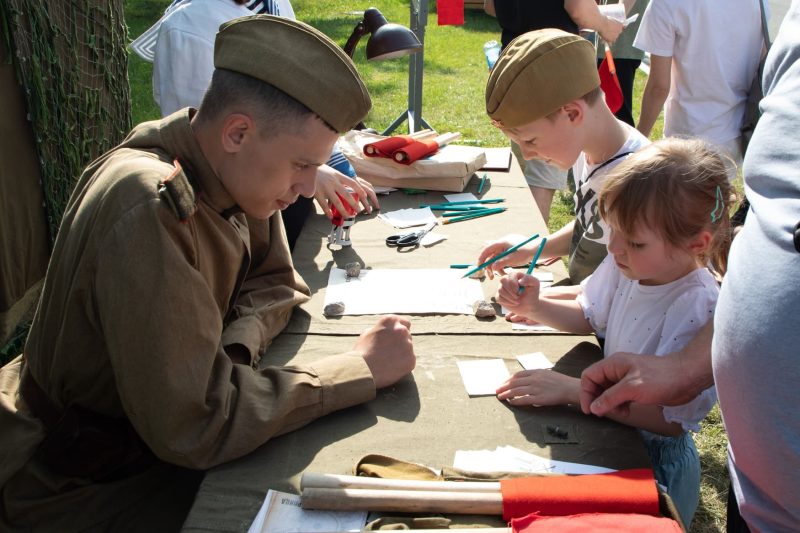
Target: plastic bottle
column 492, row 51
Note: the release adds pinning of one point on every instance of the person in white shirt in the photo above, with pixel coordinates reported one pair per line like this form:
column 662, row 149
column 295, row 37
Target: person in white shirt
column 703, row 59
column 667, row 208
column 183, row 63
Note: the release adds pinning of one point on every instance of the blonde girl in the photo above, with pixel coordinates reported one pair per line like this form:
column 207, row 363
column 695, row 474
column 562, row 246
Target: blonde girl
column 667, row 207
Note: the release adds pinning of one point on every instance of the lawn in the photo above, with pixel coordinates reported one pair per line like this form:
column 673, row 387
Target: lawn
column 455, row 74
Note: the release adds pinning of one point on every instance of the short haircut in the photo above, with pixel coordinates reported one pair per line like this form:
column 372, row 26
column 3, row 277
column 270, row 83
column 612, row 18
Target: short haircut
column 233, row 92
column 591, row 98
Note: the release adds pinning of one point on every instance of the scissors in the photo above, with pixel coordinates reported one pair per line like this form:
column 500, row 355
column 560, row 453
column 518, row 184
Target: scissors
column 409, row 239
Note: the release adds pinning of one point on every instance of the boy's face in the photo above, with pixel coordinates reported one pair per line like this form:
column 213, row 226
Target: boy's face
column 551, row 139
column 268, row 173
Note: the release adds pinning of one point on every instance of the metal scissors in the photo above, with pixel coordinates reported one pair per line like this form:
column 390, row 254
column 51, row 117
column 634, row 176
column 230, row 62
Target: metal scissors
column 409, row 239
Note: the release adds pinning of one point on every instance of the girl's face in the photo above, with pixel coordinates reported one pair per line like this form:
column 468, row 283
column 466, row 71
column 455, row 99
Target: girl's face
column 645, row 256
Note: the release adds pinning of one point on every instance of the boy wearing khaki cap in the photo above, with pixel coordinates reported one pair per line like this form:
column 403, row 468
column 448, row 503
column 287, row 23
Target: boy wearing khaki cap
column 544, row 94
column 169, row 279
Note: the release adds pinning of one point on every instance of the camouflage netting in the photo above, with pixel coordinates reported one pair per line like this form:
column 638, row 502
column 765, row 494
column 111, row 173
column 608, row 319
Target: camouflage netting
column 71, row 60
column 63, row 66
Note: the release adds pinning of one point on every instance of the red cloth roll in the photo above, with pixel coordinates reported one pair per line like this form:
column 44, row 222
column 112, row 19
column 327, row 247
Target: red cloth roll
column 387, row 147
column 415, row 151
column 625, row 491
column 597, row 523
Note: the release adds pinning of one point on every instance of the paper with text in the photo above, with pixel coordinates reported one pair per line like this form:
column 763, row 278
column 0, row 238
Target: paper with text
column 281, row 513
column 510, row 459
column 409, row 291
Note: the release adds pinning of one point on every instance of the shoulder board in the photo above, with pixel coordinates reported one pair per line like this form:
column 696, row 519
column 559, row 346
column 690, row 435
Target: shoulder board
column 177, row 191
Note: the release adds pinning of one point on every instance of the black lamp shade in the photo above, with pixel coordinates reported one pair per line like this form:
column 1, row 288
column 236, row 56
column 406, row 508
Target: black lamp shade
column 392, row 40
column 386, row 40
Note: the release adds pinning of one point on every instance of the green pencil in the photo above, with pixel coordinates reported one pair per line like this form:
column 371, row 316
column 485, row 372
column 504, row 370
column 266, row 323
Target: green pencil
column 533, row 263
column 456, row 207
column 474, row 212
column 482, row 183
column 467, row 202
column 501, row 255
column 471, row 215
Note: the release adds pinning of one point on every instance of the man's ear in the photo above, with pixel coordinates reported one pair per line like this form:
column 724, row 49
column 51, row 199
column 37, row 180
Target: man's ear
column 700, row 242
column 236, row 127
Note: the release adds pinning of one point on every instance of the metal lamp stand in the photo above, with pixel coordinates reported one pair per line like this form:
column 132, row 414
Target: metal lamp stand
column 419, row 18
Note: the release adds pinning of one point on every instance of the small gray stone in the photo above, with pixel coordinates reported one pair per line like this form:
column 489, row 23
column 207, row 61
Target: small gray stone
column 353, row 269
column 483, row 309
column 334, row 309
column 480, row 274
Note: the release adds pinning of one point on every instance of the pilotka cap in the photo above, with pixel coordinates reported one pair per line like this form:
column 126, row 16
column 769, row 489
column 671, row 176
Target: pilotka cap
column 537, row 73
column 300, row 61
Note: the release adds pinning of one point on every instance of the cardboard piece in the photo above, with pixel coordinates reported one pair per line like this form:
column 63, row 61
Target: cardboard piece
column 454, row 184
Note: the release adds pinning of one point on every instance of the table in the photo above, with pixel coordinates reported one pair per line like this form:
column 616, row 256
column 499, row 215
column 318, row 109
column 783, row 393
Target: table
column 427, row 416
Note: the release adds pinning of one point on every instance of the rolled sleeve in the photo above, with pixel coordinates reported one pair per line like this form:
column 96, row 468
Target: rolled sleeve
column 346, row 381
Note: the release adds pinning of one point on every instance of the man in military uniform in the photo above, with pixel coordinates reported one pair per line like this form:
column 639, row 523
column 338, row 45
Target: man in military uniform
column 169, row 279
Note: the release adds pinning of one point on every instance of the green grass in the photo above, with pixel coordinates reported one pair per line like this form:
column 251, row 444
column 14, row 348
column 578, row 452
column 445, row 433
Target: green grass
column 453, row 87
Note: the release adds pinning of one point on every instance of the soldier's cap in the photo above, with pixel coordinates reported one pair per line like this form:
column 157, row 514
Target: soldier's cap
column 300, row 61
column 537, row 73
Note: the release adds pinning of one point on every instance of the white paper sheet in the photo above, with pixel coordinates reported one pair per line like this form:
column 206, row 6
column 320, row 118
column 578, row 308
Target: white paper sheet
column 510, row 459
column 385, row 291
column 482, row 377
column 461, row 197
column 281, row 513
column 541, row 328
column 406, row 218
column 497, row 159
column 534, row 361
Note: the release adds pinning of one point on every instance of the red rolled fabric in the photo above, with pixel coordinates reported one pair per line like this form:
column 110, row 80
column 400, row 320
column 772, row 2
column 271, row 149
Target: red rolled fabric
column 386, row 147
column 415, row 151
column 624, row 491
column 451, row 12
column 595, row 522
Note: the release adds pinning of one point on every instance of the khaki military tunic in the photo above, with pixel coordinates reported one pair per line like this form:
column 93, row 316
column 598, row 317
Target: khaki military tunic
column 137, row 310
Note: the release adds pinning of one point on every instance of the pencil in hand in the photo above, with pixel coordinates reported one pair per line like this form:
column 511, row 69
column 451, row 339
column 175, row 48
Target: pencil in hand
column 533, row 263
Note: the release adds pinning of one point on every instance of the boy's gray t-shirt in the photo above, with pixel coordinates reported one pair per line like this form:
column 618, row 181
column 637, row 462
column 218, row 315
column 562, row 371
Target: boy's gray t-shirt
column 590, row 234
column 756, row 354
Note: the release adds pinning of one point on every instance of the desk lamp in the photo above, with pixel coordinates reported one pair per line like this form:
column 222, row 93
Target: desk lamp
column 386, row 41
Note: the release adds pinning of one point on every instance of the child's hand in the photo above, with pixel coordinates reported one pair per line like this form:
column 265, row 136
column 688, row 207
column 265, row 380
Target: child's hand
column 539, row 388
column 508, row 294
column 519, row 319
column 519, row 257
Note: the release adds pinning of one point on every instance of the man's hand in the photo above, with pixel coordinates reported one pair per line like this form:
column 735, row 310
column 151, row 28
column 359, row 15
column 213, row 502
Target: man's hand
column 609, row 385
column 330, row 181
column 387, row 349
column 673, row 379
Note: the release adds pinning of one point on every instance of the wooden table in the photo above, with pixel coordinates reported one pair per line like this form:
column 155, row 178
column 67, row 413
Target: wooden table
column 427, row 416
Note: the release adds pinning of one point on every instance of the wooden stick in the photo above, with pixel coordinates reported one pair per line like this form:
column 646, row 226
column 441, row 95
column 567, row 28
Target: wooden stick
column 403, row 501
column 423, row 134
column 446, row 138
column 334, row 481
